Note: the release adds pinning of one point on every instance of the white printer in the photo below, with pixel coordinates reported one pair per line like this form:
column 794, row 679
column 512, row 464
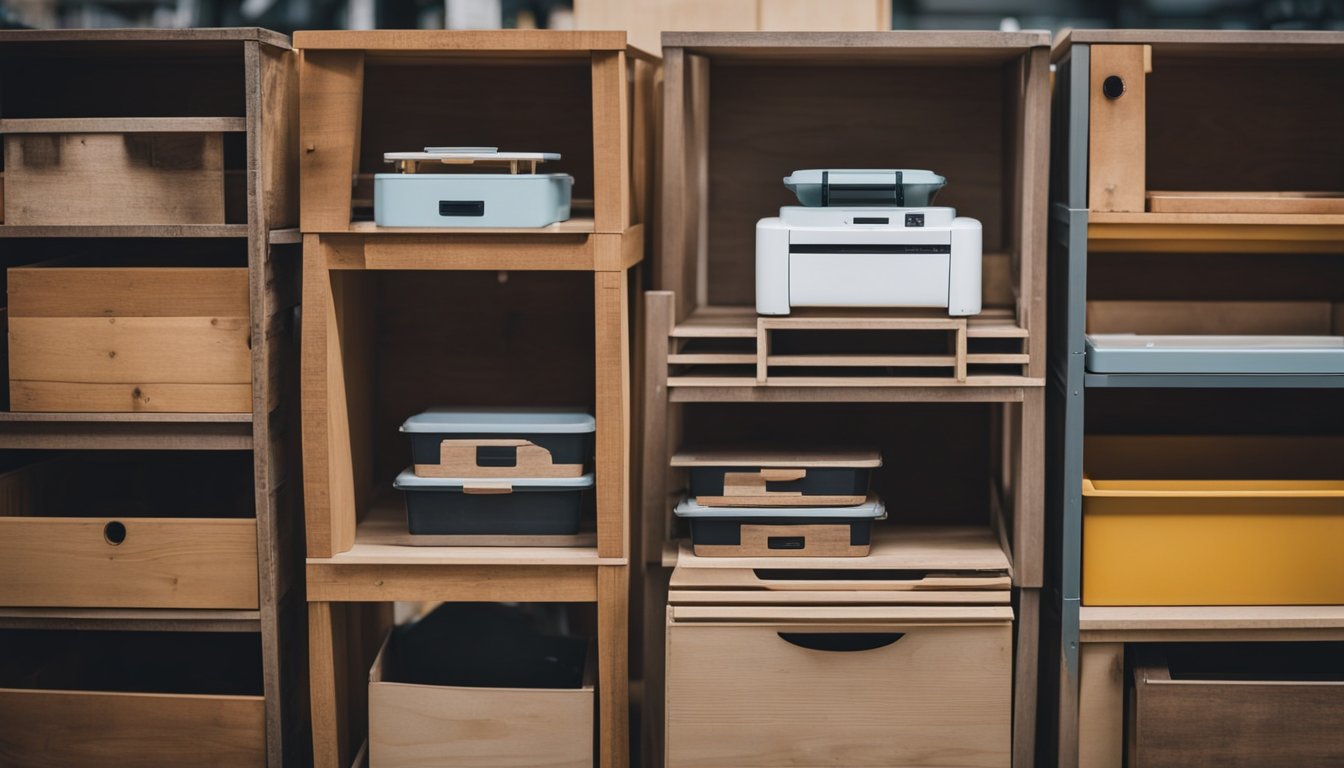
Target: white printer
column 867, row 238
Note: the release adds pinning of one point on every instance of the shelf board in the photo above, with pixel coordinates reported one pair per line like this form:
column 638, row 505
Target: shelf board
column 895, row 547
column 126, row 125
column 575, row 225
column 1212, row 381
column 381, row 567
column 976, row 389
column 124, row 230
column 1210, row 623
column 149, row 619
column 1215, row 232
column 126, row 431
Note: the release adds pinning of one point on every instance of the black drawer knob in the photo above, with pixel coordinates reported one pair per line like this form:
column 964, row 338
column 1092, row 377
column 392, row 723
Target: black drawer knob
column 114, row 532
column 1113, row 87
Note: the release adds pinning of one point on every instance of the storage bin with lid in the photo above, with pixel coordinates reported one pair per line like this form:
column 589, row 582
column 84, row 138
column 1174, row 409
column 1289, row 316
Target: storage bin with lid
column 501, row 442
column 781, row 531
column 500, row 199
column 779, row 477
column 519, row 506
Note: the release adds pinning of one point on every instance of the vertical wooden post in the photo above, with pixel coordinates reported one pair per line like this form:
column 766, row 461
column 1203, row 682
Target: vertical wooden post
column 1117, row 149
column 1029, row 491
column 611, row 142
column 326, row 653
column 331, row 102
column 611, row 328
column 1101, row 696
column 613, row 586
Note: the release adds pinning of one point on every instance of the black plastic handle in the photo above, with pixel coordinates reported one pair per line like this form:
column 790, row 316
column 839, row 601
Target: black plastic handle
column 841, row 642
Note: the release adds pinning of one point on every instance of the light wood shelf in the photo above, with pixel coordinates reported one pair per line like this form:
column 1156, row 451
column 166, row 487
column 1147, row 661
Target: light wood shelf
column 1110, row 232
column 125, row 125
column 125, row 230
column 1218, row 623
column 174, row 620
column 126, row 431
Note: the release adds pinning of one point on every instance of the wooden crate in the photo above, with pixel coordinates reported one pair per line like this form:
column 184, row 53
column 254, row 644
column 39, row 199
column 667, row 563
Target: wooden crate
column 153, row 339
column 1252, row 705
column 84, row 171
column 132, row 698
column 971, row 106
column 416, row 726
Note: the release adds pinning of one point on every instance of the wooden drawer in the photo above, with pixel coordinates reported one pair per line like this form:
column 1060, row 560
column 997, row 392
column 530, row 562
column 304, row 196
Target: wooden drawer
column 112, row 172
column 123, row 561
column 71, row 727
column 162, row 339
column 854, row 686
column 1242, row 705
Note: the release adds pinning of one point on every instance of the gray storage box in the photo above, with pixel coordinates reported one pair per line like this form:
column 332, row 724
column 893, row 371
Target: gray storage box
column 494, row 507
column 781, row 531
column 1135, row 353
column 501, row 442
column 779, row 477
column 501, row 199
column 904, row 188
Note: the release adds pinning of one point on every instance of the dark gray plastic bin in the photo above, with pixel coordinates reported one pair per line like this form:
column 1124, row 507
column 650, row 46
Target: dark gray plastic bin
column 495, row 506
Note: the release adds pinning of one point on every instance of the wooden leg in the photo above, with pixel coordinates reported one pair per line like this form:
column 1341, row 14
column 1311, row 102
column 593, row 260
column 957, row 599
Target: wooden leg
column 1025, row 677
column 612, row 664
column 326, row 652
column 1101, row 705
column 1067, row 744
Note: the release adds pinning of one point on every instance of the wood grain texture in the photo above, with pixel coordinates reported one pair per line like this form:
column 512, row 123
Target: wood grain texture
column 123, row 125
column 68, row 291
column 509, row 40
column 845, row 15
column 104, row 178
column 1026, row 663
column 611, row 326
column 743, row 695
column 611, row 142
column 818, row 541
column 163, row 563
column 1233, row 720
column 76, row 729
column 331, row 92
column 142, row 37
column 458, row 458
column 1246, row 202
column 149, row 397
column 1210, row 317
column 1117, row 130
column 613, row 615
column 1101, row 694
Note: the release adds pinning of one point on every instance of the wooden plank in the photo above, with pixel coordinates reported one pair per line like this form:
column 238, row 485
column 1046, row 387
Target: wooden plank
column 842, row 594
column 518, row 582
column 463, row 252
column 502, row 41
column 68, row 432
column 132, row 619
column 1025, row 667
column 867, row 361
column 1117, row 129
column 161, row 563
column 79, row 729
column 874, row 44
column 1028, row 464
column 111, row 179
column 727, row 390
column 124, row 125
column 177, row 350
column 1227, row 619
column 613, row 595
column 1101, row 704
column 840, row 15
column 656, row 432
column 146, row 36
column 327, row 685
column 331, row 99
column 1032, row 286
column 1322, row 225
column 124, row 230
column 611, row 142
column 1247, row 202
column 61, row 291
column 612, row 441
column 1210, row 317
column 278, row 156
column 65, row 396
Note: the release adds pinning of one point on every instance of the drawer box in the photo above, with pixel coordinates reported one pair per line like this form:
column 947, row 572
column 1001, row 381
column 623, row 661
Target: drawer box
column 826, row 685
column 1252, row 705
column 129, row 339
column 114, row 178
column 428, row 726
column 494, row 507
column 72, row 717
column 815, row 478
column 1218, row 520
column 117, row 561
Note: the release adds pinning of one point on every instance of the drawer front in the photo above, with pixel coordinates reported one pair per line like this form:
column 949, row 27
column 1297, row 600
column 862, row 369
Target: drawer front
column 784, row 694
column 159, row 562
column 113, row 178
column 75, row 729
column 1212, row 551
column 868, row 280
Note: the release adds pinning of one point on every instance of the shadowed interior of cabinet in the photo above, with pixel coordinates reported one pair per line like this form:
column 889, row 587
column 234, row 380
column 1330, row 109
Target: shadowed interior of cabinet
column 204, row 663
column 938, row 461
column 767, row 121
column 1248, row 123
column 458, row 339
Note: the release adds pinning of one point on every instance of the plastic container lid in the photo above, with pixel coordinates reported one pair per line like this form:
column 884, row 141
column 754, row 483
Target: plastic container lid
column 409, row 481
column 857, row 458
column 511, row 421
column 870, row 509
column 899, row 187
column 470, row 154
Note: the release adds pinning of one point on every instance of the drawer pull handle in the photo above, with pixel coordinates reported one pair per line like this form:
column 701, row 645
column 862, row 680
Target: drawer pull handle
column 841, row 642
column 114, row 532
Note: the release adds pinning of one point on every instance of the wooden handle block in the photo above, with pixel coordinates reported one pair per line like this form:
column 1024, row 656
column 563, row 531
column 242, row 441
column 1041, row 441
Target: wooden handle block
column 806, row 541
column 487, row 489
column 754, row 483
column 458, row 458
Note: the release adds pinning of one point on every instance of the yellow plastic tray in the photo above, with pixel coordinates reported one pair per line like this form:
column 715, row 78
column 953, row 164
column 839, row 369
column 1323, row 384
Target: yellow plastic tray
column 1185, row 520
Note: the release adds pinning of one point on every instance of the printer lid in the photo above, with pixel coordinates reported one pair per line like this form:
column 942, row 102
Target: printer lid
column 891, row 187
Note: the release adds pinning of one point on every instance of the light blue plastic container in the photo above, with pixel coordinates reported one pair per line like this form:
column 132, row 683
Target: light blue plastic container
column 471, row 199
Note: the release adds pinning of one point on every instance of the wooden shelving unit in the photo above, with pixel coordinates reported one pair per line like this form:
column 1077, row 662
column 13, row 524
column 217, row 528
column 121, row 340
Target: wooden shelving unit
column 399, row 320
column 243, row 83
column 740, row 112
column 1109, row 243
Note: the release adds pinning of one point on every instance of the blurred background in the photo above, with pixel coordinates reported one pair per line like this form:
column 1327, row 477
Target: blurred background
column 646, row 18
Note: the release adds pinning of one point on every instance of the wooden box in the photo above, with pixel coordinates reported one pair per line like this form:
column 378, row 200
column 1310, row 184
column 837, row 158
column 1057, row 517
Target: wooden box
column 426, row 726
column 96, row 699
column 115, row 172
column 160, row 339
column 1213, row 520
column 1256, row 705
column 58, row 548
